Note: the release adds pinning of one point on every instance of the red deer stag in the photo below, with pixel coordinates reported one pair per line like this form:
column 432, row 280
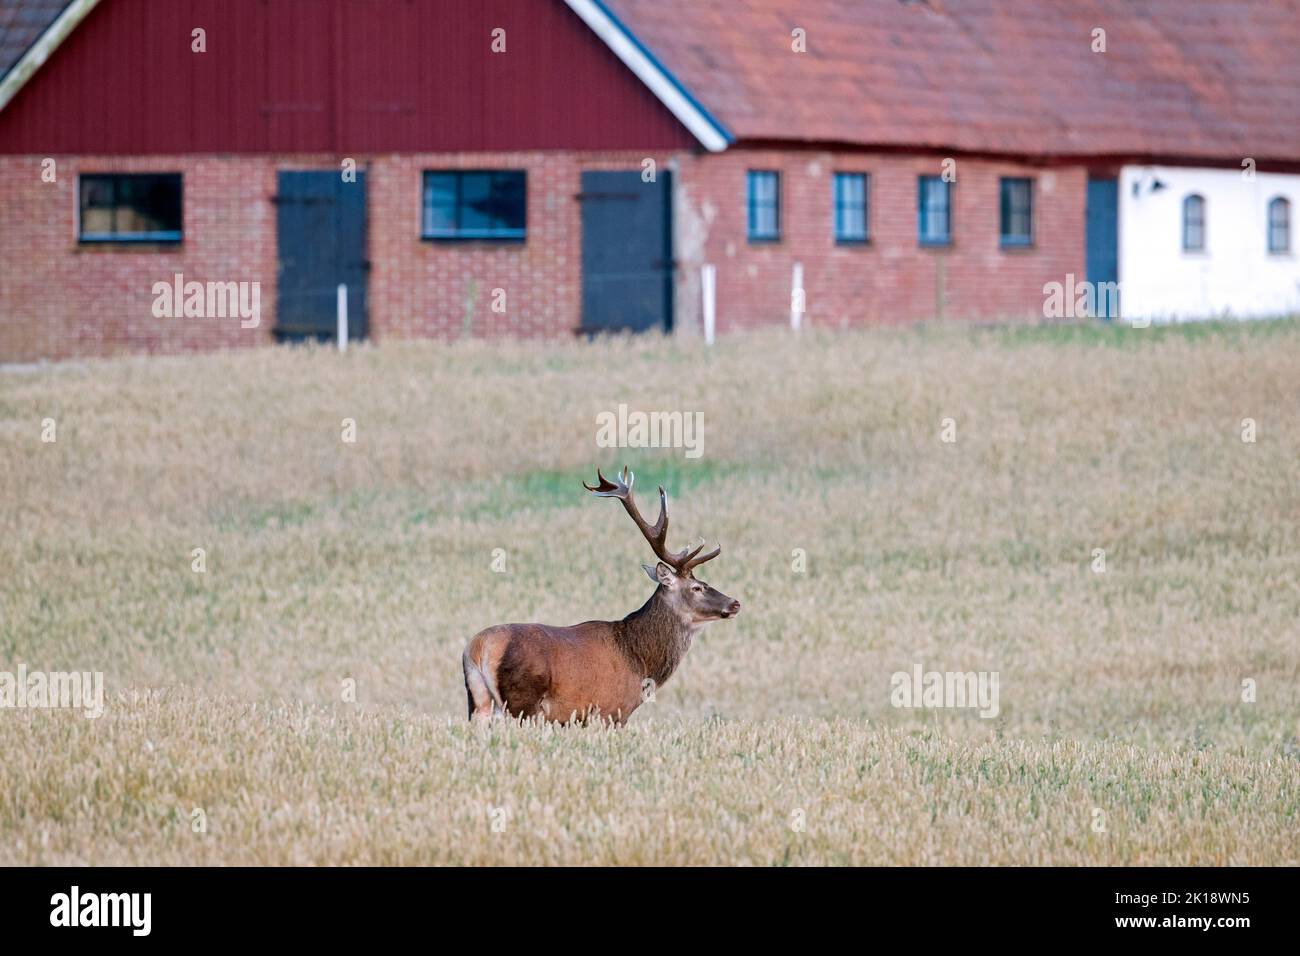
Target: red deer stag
column 599, row 669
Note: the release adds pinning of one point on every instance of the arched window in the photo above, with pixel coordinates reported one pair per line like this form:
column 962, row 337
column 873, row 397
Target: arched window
column 1279, row 224
column 1194, row 223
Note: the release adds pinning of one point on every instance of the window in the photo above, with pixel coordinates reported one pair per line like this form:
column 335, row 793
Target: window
column 934, row 211
column 1279, row 224
column 764, row 205
column 1017, row 212
column 130, row 207
column 477, row 204
column 1194, row 224
column 851, row 207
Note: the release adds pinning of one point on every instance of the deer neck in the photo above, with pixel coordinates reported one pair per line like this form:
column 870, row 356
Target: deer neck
column 655, row 638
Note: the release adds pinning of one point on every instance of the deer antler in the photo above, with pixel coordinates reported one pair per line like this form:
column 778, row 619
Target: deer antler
column 693, row 562
column 621, row 488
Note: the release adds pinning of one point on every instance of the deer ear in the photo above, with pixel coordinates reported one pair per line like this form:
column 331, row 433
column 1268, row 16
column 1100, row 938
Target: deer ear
column 664, row 575
column 649, row 570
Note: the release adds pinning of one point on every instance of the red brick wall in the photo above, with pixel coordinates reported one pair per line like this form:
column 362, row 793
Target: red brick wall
column 419, row 288
column 891, row 279
column 59, row 299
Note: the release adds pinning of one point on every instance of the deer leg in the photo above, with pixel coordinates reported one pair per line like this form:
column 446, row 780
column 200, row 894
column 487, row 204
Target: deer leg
column 522, row 682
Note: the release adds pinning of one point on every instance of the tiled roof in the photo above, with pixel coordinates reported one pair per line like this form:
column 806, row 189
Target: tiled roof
column 21, row 24
column 1195, row 79
column 1179, row 78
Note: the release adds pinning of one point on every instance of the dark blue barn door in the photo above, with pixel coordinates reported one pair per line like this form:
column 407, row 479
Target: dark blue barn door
column 627, row 252
column 1103, row 240
column 322, row 241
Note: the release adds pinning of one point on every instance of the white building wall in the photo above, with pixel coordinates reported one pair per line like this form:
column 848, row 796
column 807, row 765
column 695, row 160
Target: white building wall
column 1236, row 276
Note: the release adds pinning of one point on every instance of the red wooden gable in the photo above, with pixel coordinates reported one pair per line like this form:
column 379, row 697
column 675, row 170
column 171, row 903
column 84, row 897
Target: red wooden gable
column 338, row 76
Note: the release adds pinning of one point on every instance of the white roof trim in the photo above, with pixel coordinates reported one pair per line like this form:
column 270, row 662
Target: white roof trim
column 40, row 51
column 711, row 134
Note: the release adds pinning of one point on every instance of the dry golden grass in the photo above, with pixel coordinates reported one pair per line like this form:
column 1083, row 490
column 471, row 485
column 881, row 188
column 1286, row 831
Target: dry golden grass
column 1120, row 692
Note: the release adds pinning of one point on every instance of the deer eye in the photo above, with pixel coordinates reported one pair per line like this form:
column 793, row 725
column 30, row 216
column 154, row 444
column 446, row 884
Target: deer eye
column 697, row 588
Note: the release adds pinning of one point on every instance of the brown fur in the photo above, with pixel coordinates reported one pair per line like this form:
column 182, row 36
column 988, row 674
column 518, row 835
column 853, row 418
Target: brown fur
column 596, row 669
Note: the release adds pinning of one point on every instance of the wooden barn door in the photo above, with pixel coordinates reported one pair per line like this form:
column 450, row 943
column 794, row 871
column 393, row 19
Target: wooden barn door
column 1103, row 239
column 627, row 252
column 322, row 242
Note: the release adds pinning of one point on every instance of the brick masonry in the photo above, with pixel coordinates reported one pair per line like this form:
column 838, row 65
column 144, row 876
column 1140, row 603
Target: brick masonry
column 61, row 299
column 892, row 278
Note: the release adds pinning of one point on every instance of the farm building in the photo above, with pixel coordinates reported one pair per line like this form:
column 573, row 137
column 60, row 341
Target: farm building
column 187, row 174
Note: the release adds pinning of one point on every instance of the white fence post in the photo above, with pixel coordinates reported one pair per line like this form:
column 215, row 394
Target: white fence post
column 796, row 297
column 709, row 286
column 343, row 317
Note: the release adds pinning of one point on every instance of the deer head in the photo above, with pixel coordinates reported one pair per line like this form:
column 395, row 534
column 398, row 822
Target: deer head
column 692, row 599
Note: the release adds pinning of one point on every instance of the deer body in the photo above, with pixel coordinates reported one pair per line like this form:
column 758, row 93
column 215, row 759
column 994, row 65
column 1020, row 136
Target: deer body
column 601, row 669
